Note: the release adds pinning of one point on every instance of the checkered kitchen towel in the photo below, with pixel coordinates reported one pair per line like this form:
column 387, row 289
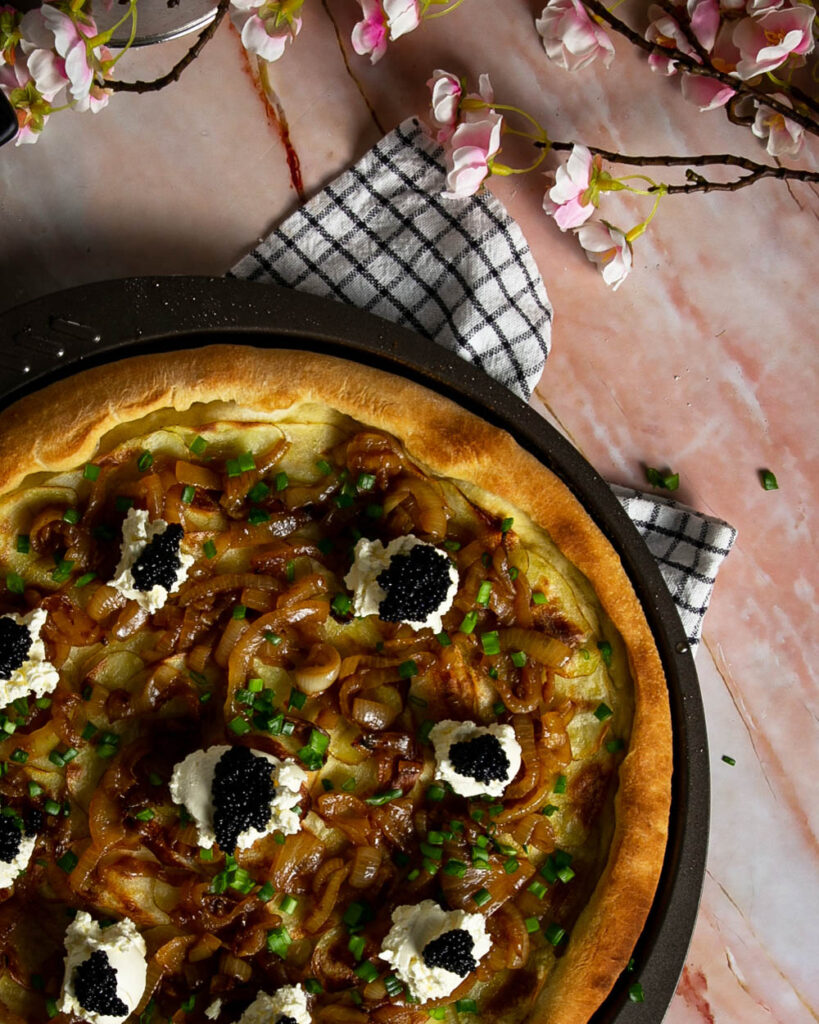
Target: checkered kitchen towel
column 381, row 238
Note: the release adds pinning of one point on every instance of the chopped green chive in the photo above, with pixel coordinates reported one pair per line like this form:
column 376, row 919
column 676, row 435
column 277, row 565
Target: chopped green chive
column 484, row 590
column 246, row 462
column 469, row 622
column 267, row 892
column 605, row 652
column 768, row 480
column 348, row 785
column 437, row 1013
column 565, row 874
column 198, row 445
column 728, row 760
column 602, row 712
column 90, row 471
column 63, row 570
column 89, row 731
column 367, row 972
column 188, row 494
column 435, row 793
column 365, row 482
column 490, row 642
column 665, row 481
column 84, row 580
column 145, row 461
column 482, row 897
column 514, row 572
column 239, row 725
column 555, row 934
column 232, row 467
column 51, row 1007
column 356, row 946
column 273, row 638
column 52, row 807
column 511, row 866
column 288, row 904
column 15, row 583
column 19, row 756
column 280, row 481
column 205, row 853
column 424, row 730
column 313, row 986
column 456, row 868
column 146, row 815
column 385, row 798
column 68, row 861
column 341, row 604
column 560, row 784
column 278, row 941
column 258, row 492
column 256, row 516
column 209, row 549
column 407, row 669
column 466, row 1006
column 188, row 1004
column 636, row 993
column 443, row 639
column 538, row 597
column 549, row 810
column 35, row 789
column 532, row 924
column 538, row 888
column 239, row 611
column 518, row 659
column 23, row 543
column 324, row 467
column 297, row 699
column 393, row 986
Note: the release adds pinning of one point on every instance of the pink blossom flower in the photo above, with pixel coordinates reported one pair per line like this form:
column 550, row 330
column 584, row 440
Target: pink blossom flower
column 266, row 28
column 607, row 246
column 46, row 69
column 765, row 42
column 383, row 19
column 446, row 99
column 785, row 137
column 754, row 7
column 705, row 93
column 665, row 32
column 472, row 147
column 70, row 35
column 705, row 21
column 31, row 108
column 570, row 38
column 569, row 200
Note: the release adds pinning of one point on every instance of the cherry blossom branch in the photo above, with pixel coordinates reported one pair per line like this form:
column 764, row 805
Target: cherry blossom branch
column 175, row 72
column 757, row 171
column 709, row 71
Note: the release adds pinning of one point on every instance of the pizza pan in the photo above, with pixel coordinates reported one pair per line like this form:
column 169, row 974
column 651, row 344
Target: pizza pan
column 61, row 334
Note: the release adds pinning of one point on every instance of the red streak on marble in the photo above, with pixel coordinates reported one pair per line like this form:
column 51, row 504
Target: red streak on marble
column 274, row 112
column 692, row 987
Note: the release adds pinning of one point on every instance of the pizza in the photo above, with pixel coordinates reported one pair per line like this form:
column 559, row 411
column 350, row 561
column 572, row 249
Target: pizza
column 322, row 700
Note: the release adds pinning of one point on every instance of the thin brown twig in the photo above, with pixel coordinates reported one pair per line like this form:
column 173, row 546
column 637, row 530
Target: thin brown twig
column 179, row 67
column 692, row 67
column 685, row 28
column 756, row 170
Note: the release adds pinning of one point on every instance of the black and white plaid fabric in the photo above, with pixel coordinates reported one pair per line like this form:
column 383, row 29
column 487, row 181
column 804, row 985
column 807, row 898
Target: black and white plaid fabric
column 381, row 238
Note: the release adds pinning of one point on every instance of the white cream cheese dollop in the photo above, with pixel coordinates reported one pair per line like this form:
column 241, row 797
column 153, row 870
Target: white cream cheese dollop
column 287, row 1001
column 36, row 676
column 446, row 733
column 413, row 928
column 125, row 949
column 192, row 785
column 371, row 558
column 137, row 534
column 10, row 869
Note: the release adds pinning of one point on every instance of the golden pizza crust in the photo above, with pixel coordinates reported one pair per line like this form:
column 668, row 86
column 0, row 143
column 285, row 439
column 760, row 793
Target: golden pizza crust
column 62, row 426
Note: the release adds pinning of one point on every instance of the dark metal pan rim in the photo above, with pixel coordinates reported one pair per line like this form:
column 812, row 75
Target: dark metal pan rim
column 57, row 335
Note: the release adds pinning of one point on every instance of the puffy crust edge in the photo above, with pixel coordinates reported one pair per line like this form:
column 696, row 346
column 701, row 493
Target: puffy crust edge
column 60, row 427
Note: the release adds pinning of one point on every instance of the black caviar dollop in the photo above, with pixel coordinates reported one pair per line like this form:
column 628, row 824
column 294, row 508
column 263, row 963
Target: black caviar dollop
column 11, row 835
column 285, row 1019
column 95, row 985
column 482, row 758
column 242, row 791
column 452, row 951
column 415, row 584
column 159, row 561
column 15, row 643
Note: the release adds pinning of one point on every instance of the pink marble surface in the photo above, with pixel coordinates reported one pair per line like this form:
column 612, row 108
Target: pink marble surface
column 704, row 360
